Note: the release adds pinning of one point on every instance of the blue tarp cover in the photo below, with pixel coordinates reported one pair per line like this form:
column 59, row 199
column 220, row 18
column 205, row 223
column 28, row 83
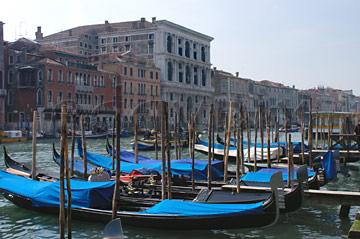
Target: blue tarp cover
column 284, row 171
column 183, row 208
column 264, row 175
column 178, row 167
column 46, row 194
column 329, row 165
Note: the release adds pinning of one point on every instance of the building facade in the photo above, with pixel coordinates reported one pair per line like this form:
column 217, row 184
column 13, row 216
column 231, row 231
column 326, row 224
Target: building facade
column 2, row 83
column 140, row 87
column 181, row 54
column 43, row 78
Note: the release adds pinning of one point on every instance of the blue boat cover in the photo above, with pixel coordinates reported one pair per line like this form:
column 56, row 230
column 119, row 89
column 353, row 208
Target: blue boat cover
column 46, row 194
column 192, row 209
column 264, row 174
column 329, row 165
column 178, row 167
column 296, row 145
column 284, row 171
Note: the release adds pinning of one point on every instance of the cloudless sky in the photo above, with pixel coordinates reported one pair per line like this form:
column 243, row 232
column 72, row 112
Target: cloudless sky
column 305, row 43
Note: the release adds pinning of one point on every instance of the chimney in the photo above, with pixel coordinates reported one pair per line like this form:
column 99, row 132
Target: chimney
column 237, row 74
column 38, row 34
column 142, row 19
column 214, row 68
column 70, row 32
column 153, row 19
column 142, row 23
column 108, row 26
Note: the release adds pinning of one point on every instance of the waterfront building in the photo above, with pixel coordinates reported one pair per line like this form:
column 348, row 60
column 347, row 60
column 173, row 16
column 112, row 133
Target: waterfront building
column 139, row 84
column 43, row 77
column 2, row 83
column 181, row 54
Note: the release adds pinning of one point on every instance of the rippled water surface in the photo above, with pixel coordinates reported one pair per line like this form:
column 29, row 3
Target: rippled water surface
column 311, row 221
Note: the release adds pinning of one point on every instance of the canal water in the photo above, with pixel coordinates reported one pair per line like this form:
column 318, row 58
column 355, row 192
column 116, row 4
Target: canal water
column 311, row 221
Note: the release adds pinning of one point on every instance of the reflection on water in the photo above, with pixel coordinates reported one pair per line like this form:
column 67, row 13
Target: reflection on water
column 311, row 221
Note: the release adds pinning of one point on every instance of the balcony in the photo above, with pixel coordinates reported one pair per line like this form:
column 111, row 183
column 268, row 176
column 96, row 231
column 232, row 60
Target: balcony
column 85, row 107
column 84, row 88
column 2, row 92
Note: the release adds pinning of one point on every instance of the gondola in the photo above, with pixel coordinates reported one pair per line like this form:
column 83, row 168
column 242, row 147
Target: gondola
column 297, row 146
column 203, row 147
column 181, row 167
column 169, row 214
column 25, row 169
column 293, row 198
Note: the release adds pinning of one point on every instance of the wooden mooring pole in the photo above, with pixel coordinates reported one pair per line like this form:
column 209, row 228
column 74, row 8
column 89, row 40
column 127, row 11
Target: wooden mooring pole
column 248, row 135
column 33, row 171
column 117, row 168
column 210, row 144
column 310, row 134
column 62, row 167
column 167, row 135
column 156, row 132
column 176, row 137
column 255, row 139
column 228, row 143
column 68, row 186
column 136, row 139
column 113, row 145
column 241, row 139
column 268, row 139
column 84, row 146
column 163, row 151
column 73, row 124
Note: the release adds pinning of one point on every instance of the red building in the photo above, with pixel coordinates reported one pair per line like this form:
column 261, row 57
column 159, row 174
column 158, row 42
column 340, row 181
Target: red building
column 41, row 77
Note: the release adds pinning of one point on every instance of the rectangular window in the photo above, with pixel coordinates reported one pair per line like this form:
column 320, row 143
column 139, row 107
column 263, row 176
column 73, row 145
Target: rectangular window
column 10, row 117
column 95, row 81
column 69, row 78
column 125, row 103
column 103, row 49
column 115, row 39
column 60, row 76
column 80, row 43
column 127, row 38
column 10, row 97
column 11, row 59
column 115, row 49
column 114, row 101
column 157, row 75
column 131, row 103
column 102, row 84
column 151, row 75
column 103, row 40
column 101, row 99
column 151, row 36
column 49, row 97
column 69, row 98
column 60, row 98
column 96, row 100
column 127, row 48
column 125, row 71
column 50, row 75
column 131, row 71
column 114, row 83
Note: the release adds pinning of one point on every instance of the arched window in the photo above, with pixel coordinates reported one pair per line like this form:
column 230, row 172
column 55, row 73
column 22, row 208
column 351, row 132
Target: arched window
column 187, row 49
column 170, row 71
column 40, row 77
column 203, row 78
column 203, row 55
column 188, row 75
column 169, row 44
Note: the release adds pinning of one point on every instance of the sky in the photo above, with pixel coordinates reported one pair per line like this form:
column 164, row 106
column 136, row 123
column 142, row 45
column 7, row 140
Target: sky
column 307, row 43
